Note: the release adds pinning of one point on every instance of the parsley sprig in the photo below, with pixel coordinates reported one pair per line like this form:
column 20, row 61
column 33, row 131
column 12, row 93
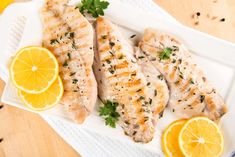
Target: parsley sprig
column 93, row 7
column 108, row 111
column 165, row 54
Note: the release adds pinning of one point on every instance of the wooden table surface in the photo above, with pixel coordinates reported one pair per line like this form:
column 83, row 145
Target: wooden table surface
column 25, row 134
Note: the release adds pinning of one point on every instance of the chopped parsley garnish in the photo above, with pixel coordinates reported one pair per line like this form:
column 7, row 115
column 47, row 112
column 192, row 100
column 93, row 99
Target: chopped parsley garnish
column 146, row 119
column 160, row 77
column 175, row 48
column 73, row 73
column 165, row 54
column 141, row 57
column 108, row 111
column 93, row 7
column 150, row 101
column 120, row 57
column 111, row 43
column 111, row 71
column 54, row 41
column 108, row 61
column 202, row 97
column 132, row 36
column 65, row 64
column 69, row 55
column 71, row 35
column 155, row 92
column 180, row 61
column 66, row 33
column 181, row 76
column 74, row 46
column 161, row 114
column 111, row 53
column 104, row 36
column 191, row 81
column 141, row 98
column 75, row 81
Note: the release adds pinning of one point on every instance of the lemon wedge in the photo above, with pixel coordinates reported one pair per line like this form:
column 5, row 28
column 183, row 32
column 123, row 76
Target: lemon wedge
column 45, row 100
column 170, row 136
column 201, row 137
column 34, row 69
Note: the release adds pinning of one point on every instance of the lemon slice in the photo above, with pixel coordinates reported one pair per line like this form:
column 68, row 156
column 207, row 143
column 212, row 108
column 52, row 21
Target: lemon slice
column 201, row 137
column 4, row 4
column 34, row 69
column 170, row 136
column 45, row 100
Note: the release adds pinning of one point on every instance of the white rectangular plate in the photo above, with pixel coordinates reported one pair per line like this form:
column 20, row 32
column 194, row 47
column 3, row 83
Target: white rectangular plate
column 215, row 56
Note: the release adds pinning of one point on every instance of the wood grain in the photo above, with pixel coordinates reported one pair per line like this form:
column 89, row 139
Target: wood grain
column 27, row 135
column 211, row 11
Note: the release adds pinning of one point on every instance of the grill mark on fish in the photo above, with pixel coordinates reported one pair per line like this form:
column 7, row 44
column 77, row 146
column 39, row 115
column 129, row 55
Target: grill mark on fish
column 166, row 67
column 79, row 96
column 122, row 65
column 120, row 75
column 173, row 72
column 183, row 88
column 123, row 86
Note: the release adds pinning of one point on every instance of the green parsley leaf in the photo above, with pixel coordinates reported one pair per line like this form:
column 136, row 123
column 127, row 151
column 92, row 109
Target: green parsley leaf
column 108, row 111
column 160, row 77
column 54, row 41
column 141, row 57
column 165, row 54
column 93, row 7
column 69, row 55
column 65, row 64
column 75, row 81
column 191, row 81
column 202, row 97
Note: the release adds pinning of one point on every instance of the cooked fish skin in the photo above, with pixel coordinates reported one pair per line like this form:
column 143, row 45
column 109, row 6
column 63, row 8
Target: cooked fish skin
column 120, row 80
column 69, row 36
column 191, row 94
column 156, row 84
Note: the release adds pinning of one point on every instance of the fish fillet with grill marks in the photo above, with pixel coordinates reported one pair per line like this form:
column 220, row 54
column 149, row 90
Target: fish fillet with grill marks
column 69, row 36
column 190, row 92
column 156, row 84
column 120, row 80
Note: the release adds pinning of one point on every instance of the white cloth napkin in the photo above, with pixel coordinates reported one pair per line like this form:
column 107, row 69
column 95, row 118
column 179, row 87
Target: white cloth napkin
column 90, row 144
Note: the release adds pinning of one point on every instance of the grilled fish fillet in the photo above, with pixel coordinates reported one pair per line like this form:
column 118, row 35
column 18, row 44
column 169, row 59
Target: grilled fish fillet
column 120, row 79
column 190, row 92
column 69, row 36
column 156, row 84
